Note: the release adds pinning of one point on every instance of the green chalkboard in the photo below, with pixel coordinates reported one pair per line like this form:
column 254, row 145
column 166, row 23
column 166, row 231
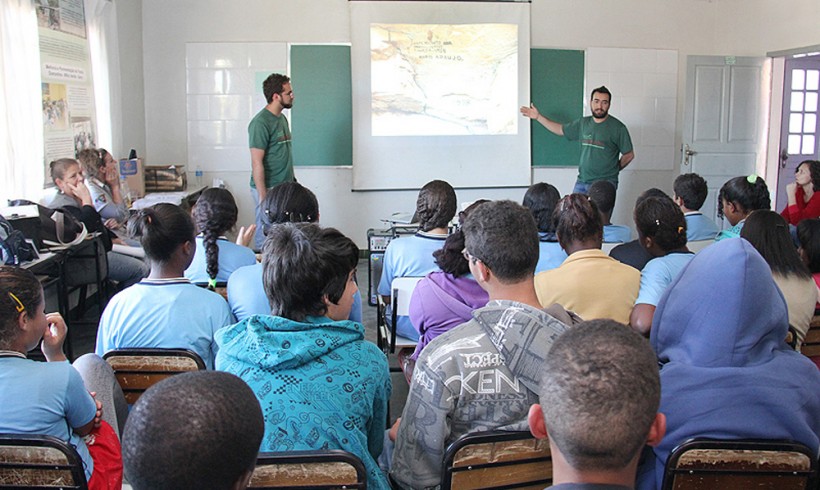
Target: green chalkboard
column 322, row 119
column 557, row 89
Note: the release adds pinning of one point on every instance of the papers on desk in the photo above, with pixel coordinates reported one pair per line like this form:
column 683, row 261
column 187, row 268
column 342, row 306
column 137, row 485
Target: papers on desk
column 137, row 252
column 400, row 218
column 149, row 200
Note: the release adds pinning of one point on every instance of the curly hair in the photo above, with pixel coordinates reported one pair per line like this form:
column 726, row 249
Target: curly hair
column 748, row 193
column 814, row 170
column 92, row 161
column 662, row 220
column 215, row 213
column 692, row 189
column 436, row 205
column 449, row 257
column 541, row 199
column 602, row 193
column 20, row 293
column 577, row 219
column 274, row 85
column 161, row 229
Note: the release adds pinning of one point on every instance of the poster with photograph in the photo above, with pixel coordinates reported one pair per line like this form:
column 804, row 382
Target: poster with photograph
column 69, row 122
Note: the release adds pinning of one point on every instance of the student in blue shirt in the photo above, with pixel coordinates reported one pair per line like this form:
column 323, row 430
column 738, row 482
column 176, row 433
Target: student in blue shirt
column 216, row 257
column 602, row 193
column 690, row 194
column 165, row 309
column 541, row 199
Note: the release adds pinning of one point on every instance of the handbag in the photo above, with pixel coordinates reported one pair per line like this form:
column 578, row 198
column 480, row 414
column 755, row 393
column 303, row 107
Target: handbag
column 58, row 227
column 14, row 248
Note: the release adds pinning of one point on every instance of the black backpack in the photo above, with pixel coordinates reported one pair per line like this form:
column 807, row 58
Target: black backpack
column 14, row 248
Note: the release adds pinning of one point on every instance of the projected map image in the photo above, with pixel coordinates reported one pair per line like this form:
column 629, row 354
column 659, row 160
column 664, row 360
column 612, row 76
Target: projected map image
column 432, row 79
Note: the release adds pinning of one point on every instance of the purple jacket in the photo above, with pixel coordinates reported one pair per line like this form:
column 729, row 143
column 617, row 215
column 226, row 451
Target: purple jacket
column 442, row 301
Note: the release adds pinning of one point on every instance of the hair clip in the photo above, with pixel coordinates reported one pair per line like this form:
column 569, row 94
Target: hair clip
column 680, row 230
column 20, row 308
column 657, row 222
column 212, row 283
column 752, row 179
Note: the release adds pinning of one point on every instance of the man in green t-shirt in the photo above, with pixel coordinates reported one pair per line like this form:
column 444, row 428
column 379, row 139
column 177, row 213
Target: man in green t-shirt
column 606, row 147
column 269, row 140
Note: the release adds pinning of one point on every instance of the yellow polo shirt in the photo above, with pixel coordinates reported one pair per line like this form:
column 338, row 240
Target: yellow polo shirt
column 591, row 284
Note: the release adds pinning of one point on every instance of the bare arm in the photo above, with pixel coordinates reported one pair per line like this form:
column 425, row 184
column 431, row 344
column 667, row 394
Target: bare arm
column 258, row 172
column 641, row 318
column 625, row 159
column 552, row 126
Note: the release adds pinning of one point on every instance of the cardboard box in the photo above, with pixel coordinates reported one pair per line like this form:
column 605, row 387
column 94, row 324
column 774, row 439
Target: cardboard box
column 132, row 172
column 165, row 178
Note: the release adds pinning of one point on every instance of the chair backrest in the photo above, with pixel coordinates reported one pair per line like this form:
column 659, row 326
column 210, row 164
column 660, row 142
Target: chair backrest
column 39, row 461
column 137, row 370
column 698, row 245
column 740, row 464
column 811, row 343
column 497, row 460
column 402, row 288
column 308, row 469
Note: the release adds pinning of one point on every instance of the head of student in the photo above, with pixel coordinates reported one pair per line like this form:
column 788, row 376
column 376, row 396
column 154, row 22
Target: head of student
column 602, row 193
column 599, row 398
column 21, row 309
column 309, row 271
column 541, row 199
column 291, row 202
column 450, row 258
column 214, row 214
column 740, row 196
column 275, row 85
column 808, row 172
column 769, row 234
column 599, row 101
column 503, row 237
column 194, row 430
column 166, row 233
column 578, row 223
column 66, row 174
column 661, row 225
column 690, row 191
column 95, row 162
column 808, row 234
column 436, row 205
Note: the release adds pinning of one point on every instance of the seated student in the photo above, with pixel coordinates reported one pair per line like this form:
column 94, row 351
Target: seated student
column 483, row 374
column 193, row 430
column 445, row 299
column 413, row 256
column 288, row 202
column 321, row 385
column 541, row 199
column 74, row 197
column 808, row 234
column 633, row 253
column 602, row 193
column 216, row 257
column 802, row 203
column 598, row 423
column 662, row 232
column 690, row 194
column 165, row 309
column 589, row 282
column 103, row 180
column 50, row 398
column 769, row 234
column 738, row 197
column 726, row 372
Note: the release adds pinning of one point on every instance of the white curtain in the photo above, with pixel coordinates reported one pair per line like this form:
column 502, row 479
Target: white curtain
column 101, row 23
column 21, row 121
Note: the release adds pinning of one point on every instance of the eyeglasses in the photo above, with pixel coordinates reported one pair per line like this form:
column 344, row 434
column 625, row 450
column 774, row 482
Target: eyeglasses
column 468, row 256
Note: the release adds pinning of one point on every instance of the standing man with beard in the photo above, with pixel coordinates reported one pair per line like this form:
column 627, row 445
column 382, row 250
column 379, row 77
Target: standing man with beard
column 269, row 138
column 606, row 147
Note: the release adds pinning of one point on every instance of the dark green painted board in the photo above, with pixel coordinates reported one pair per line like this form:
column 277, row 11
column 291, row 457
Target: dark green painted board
column 557, row 89
column 322, row 124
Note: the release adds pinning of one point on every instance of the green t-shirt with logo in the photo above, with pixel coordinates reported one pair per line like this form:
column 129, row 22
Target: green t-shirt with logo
column 602, row 145
column 272, row 134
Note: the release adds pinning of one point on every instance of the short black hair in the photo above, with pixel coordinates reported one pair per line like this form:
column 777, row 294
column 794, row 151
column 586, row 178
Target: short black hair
column 749, row 193
column 541, row 199
column 449, row 257
column 215, row 213
column 769, row 234
column 600, row 90
column 576, row 220
column 193, row 430
column 692, row 189
column 602, row 193
column 301, row 264
column 600, row 393
column 436, row 205
column 274, row 85
column 291, row 202
column 20, row 294
column 161, row 228
column 503, row 235
column 662, row 220
column 808, row 233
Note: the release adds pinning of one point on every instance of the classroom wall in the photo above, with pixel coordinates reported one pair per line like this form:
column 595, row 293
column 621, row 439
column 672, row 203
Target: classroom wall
column 703, row 27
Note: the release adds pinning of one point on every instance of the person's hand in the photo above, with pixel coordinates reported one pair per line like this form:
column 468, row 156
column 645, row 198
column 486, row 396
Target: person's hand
column 530, row 112
column 394, row 430
column 112, row 177
column 81, row 192
column 791, row 189
column 98, row 414
column 53, row 338
column 245, row 235
column 112, row 224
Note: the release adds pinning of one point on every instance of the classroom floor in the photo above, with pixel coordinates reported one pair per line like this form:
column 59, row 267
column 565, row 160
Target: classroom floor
column 84, row 335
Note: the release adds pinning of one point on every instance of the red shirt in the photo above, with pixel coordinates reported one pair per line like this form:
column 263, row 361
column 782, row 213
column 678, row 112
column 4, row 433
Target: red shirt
column 802, row 210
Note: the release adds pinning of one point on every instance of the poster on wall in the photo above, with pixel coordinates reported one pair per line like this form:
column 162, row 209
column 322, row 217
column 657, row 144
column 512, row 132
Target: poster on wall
column 69, row 123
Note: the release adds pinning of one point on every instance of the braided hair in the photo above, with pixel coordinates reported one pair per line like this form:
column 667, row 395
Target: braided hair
column 214, row 214
column 161, row 229
column 436, row 205
column 748, row 193
column 662, row 220
column 541, row 199
column 577, row 219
